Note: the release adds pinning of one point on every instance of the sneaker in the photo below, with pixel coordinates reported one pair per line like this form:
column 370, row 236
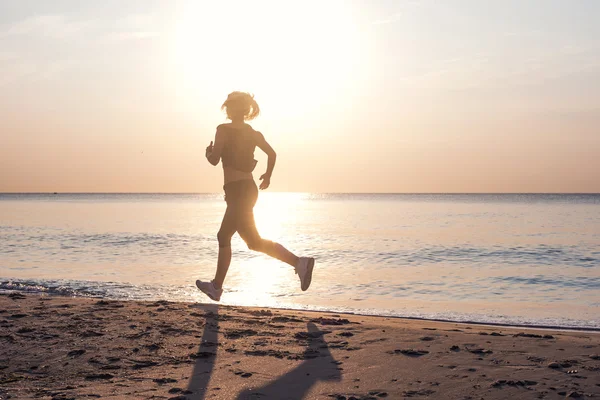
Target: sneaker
column 304, row 269
column 209, row 289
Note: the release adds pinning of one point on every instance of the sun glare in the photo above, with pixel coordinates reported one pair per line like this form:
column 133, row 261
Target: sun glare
column 274, row 211
column 305, row 52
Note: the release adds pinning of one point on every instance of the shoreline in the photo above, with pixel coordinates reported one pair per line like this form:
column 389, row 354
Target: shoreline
column 343, row 312
column 57, row 347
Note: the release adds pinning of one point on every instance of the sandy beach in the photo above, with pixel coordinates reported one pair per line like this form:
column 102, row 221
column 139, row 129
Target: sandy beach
column 74, row 348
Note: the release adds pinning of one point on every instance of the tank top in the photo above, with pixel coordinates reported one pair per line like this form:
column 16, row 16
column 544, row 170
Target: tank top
column 240, row 143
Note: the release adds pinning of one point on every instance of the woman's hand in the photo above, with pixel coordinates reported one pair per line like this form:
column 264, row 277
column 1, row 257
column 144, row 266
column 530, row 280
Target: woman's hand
column 266, row 181
column 209, row 149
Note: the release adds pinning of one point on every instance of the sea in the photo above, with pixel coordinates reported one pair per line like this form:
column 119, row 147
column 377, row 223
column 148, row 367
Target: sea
column 514, row 259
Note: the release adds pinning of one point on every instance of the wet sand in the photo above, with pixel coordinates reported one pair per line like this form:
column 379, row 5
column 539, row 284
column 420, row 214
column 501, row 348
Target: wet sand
column 74, row 348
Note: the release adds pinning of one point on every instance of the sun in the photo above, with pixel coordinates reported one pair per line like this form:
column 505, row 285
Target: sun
column 306, row 52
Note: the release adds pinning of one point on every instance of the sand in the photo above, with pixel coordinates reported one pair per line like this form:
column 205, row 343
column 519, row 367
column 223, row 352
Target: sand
column 74, row 348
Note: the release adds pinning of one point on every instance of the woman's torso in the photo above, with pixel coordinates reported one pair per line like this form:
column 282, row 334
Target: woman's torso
column 238, row 152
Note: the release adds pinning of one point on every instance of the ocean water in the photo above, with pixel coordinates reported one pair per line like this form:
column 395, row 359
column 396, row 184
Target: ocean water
column 508, row 259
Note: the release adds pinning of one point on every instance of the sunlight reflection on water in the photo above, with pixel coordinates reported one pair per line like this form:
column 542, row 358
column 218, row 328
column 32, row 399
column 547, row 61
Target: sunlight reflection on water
column 508, row 258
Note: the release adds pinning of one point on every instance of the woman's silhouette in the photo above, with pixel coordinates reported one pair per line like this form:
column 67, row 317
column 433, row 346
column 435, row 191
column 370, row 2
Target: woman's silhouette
column 234, row 145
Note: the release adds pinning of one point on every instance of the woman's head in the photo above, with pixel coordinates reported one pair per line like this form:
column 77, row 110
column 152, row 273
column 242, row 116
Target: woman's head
column 241, row 106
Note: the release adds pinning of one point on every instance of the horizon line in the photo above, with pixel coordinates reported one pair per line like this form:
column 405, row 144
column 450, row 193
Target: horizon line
column 399, row 193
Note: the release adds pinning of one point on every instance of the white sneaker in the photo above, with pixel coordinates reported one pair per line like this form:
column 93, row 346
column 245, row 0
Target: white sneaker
column 304, row 269
column 209, row 289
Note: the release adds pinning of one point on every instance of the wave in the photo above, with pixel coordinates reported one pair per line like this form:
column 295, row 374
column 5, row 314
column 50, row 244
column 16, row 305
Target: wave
column 126, row 291
column 102, row 245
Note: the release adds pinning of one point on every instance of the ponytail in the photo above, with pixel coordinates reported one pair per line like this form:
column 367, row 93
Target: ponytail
column 254, row 109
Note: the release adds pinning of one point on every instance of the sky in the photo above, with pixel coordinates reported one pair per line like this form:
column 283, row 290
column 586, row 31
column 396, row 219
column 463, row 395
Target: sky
column 356, row 96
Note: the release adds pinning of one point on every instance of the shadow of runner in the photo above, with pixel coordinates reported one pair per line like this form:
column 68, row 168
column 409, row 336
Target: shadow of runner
column 318, row 365
column 206, row 355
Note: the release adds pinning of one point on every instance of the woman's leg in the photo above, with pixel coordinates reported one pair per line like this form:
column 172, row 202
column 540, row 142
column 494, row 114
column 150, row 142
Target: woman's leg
column 279, row 252
column 224, row 236
column 248, row 232
column 222, row 266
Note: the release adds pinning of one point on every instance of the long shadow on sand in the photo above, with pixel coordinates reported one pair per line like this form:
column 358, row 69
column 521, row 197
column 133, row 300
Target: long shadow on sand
column 206, row 355
column 318, row 365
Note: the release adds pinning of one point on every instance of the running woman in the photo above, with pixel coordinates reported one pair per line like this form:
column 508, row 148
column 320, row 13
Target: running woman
column 234, row 146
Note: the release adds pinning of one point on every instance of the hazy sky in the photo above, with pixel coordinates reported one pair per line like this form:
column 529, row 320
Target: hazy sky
column 357, row 96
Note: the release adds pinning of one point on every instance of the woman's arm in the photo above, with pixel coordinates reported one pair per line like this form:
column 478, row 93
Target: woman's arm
column 213, row 152
column 272, row 157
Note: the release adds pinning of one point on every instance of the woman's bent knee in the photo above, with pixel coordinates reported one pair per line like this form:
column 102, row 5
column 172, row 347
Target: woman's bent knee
column 260, row 245
column 255, row 245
